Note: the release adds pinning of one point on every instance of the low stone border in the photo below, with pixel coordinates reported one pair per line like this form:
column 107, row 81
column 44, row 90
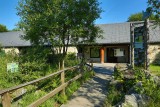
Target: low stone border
column 132, row 99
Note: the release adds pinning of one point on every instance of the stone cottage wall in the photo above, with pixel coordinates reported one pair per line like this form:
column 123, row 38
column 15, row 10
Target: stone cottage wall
column 7, row 50
column 154, row 53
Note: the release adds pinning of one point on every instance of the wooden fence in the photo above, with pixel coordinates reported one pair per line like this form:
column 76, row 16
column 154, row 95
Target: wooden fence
column 6, row 96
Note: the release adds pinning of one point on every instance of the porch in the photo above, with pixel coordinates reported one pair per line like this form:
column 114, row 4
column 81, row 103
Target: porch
column 108, row 53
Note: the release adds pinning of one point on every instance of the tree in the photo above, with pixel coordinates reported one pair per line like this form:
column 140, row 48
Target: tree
column 15, row 29
column 59, row 22
column 3, row 28
column 154, row 7
column 139, row 17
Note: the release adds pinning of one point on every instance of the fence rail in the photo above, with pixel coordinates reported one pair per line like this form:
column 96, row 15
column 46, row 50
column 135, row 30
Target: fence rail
column 6, row 97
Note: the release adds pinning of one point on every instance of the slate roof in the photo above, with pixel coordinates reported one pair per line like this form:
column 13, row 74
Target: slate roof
column 115, row 33
column 118, row 33
column 13, row 39
column 154, row 33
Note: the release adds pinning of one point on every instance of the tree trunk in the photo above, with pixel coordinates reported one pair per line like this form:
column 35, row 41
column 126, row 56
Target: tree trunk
column 61, row 64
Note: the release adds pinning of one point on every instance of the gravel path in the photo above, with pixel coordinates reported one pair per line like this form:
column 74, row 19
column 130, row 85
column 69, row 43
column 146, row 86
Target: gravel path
column 93, row 92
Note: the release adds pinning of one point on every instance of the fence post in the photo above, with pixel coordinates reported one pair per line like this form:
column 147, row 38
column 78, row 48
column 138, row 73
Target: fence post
column 63, row 81
column 6, row 100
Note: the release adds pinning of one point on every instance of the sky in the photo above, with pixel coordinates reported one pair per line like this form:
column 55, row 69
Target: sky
column 114, row 11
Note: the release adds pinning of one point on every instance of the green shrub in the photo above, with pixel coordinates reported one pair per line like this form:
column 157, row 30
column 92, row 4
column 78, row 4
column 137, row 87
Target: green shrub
column 148, row 88
column 72, row 88
column 118, row 75
column 7, row 78
column 33, row 64
column 47, row 85
column 33, row 59
column 114, row 96
column 60, row 98
column 2, row 52
column 71, row 60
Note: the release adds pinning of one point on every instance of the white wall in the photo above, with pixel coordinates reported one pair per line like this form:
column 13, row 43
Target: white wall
column 72, row 49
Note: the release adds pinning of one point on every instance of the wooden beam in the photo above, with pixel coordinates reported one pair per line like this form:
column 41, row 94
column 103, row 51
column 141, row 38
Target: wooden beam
column 63, row 81
column 6, row 100
column 102, row 54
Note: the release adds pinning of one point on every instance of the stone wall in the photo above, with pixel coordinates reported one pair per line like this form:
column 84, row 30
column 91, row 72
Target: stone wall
column 7, row 50
column 154, row 53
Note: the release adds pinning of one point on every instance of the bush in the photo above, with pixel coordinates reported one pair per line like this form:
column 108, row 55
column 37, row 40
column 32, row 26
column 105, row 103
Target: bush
column 6, row 77
column 71, row 60
column 2, row 52
column 46, row 86
column 33, row 59
column 149, row 88
column 33, row 64
column 114, row 96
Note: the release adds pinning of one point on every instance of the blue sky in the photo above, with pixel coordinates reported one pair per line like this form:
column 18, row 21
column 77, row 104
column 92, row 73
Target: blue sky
column 115, row 11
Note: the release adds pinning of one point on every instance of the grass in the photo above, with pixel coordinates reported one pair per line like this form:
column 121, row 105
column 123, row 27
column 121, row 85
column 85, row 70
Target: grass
column 155, row 69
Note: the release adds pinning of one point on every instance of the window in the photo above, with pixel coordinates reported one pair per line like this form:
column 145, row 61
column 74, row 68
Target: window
column 118, row 52
column 94, row 53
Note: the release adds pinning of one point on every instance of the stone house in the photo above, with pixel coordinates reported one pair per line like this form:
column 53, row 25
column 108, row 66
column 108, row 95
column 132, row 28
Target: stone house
column 114, row 47
column 14, row 41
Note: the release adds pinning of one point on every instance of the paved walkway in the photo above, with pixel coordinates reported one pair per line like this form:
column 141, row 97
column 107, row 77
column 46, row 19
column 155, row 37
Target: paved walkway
column 93, row 92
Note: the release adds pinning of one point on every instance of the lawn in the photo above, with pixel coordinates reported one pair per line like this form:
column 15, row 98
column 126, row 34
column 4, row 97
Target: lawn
column 155, row 69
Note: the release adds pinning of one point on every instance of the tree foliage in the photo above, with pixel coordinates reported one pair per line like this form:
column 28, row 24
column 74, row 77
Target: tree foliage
column 139, row 17
column 59, row 22
column 154, row 7
column 15, row 29
column 3, row 28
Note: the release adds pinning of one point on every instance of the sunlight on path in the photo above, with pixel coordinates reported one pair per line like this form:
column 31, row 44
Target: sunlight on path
column 93, row 92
